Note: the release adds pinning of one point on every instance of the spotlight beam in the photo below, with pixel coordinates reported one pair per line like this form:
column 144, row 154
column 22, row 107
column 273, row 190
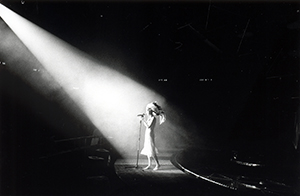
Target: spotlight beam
column 109, row 99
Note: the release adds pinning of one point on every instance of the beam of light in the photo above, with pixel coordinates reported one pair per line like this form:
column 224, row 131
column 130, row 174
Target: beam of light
column 109, row 99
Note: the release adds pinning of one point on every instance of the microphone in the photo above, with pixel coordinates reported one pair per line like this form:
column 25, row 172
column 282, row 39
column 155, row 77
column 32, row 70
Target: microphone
column 141, row 114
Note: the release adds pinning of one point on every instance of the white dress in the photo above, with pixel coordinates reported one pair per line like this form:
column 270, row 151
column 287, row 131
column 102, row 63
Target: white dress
column 149, row 148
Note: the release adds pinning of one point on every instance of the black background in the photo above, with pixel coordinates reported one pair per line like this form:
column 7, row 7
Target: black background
column 231, row 66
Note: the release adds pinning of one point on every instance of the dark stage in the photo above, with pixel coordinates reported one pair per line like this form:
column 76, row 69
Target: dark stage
column 75, row 75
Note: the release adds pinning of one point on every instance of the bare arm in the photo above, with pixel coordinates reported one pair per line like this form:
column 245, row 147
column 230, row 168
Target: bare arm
column 149, row 122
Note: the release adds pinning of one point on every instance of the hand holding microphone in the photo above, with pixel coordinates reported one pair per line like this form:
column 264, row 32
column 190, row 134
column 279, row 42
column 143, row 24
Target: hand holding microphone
column 141, row 116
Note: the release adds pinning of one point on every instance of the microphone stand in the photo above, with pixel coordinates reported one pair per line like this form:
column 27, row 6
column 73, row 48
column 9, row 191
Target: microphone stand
column 138, row 148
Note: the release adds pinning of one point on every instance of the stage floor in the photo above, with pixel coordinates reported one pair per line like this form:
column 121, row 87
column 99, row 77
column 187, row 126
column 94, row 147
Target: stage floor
column 173, row 179
column 167, row 180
